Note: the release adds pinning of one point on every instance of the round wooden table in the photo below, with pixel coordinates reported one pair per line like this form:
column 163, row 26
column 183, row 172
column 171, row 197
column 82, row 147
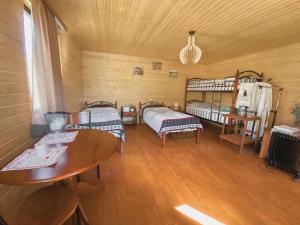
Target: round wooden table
column 87, row 151
column 90, row 148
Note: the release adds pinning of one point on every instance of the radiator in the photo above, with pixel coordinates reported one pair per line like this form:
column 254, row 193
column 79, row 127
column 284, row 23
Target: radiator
column 284, row 153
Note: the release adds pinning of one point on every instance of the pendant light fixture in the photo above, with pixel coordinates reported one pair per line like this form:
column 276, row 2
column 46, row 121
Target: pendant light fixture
column 190, row 54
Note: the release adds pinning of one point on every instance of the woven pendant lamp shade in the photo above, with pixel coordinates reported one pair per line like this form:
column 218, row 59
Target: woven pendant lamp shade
column 190, row 54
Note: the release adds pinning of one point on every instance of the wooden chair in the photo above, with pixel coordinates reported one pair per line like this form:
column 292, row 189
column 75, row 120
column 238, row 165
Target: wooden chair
column 52, row 205
column 73, row 118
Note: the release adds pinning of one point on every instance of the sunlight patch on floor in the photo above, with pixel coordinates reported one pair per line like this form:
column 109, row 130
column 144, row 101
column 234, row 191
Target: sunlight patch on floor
column 196, row 215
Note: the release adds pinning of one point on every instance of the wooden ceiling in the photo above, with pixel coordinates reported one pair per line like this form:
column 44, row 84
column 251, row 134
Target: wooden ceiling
column 158, row 28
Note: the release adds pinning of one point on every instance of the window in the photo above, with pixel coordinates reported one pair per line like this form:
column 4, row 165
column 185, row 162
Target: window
column 28, row 34
column 28, row 45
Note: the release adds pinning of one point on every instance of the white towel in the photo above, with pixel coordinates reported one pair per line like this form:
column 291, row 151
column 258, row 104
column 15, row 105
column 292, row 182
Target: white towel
column 262, row 103
column 244, row 95
column 265, row 105
column 255, row 97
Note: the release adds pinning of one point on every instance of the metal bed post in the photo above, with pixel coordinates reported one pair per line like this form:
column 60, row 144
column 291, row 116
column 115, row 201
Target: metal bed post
column 185, row 95
column 139, row 112
column 220, row 105
column 277, row 105
column 234, row 97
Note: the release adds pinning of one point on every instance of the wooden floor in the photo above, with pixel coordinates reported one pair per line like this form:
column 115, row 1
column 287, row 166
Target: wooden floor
column 145, row 184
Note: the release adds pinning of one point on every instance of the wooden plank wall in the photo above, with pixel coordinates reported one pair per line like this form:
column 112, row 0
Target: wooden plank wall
column 109, row 77
column 71, row 71
column 15, row 112
column 280, row 64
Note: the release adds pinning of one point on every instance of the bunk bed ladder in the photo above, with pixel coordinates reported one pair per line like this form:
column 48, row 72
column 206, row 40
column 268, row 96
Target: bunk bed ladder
column 220, row 105
column 185, row 94
column 216, row 100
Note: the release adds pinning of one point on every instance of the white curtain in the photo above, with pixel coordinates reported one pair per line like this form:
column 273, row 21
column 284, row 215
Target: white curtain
column 47, row 93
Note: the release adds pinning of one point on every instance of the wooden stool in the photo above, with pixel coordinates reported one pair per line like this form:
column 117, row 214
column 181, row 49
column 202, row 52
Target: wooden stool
column 52, row 205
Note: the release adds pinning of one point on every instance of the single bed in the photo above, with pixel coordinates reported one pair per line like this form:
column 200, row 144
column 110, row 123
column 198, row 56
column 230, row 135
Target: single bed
column 101, row 115
column 164, row 120
column 207, row 111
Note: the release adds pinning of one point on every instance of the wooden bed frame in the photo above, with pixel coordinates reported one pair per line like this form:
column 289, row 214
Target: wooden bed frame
column 106, row 104
column 164, row 134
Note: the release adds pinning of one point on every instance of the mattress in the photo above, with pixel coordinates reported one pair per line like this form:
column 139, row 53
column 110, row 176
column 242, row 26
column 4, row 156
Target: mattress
column 101, row 118
column 217, row 85
column 226, row 84
column 163, row 119
column 207, row 111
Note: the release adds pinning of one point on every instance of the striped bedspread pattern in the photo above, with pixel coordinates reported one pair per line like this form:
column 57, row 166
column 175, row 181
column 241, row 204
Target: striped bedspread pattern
column 204, row 110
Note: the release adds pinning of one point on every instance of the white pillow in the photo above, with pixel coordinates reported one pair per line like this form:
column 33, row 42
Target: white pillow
column 83, row 117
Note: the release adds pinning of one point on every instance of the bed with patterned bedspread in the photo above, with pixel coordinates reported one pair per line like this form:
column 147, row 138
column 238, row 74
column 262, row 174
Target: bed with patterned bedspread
column 106, row 119
column 101, row 115
column 164, row 120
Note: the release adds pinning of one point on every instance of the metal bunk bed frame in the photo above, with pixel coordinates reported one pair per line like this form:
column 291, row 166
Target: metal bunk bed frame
column 243, row 76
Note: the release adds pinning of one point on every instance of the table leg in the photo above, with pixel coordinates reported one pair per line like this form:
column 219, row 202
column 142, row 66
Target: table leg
column 98, row 172
column 244, row 136
column 163, row 139
column 120, row 146
column 223, row 129
column 258, row 131
column 236, row 126
column 198, row 131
